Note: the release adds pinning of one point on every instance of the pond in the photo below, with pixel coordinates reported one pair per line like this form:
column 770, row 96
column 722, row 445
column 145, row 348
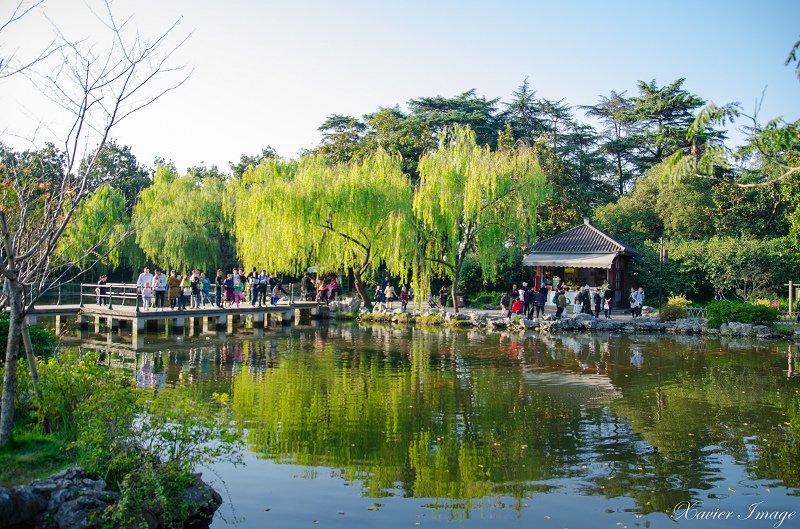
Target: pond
column 350, row 426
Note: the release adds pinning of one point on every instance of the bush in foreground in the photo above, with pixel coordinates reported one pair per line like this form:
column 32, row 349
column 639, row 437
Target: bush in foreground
column 720, row 312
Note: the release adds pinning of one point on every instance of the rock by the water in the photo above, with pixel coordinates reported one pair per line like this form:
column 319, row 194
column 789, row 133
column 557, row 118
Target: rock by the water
column 72, row 497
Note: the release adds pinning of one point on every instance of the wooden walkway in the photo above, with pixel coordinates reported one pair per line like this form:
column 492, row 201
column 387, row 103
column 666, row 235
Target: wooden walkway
column 210, row 318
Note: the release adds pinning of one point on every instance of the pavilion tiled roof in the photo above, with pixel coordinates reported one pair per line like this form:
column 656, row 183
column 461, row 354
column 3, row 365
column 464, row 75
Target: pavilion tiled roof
column 582, row 239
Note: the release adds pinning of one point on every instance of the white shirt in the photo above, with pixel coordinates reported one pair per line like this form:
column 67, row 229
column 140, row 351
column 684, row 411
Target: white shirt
column 144, row 277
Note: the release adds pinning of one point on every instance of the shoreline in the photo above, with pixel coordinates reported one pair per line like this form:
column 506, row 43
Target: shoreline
column 572, row 323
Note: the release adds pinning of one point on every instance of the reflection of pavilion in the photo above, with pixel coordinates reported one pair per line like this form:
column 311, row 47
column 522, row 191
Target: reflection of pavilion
column 583, row 255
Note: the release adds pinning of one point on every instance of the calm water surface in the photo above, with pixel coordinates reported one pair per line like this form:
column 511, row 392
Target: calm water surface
column 351, row 426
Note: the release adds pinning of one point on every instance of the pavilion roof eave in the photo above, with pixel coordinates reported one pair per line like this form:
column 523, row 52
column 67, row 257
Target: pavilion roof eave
column 571, row 260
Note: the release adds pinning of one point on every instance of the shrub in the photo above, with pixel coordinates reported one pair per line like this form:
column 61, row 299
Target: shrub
column 678, row 301
column 670, row 312
column 67, row 380
column 147, row 446
column 483, row 298
column 44, row 341
column 720, row 312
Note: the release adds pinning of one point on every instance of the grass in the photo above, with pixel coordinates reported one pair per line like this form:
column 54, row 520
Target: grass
column 32, row 456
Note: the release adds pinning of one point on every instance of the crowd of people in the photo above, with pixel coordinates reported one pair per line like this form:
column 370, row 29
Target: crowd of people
column 385, row 294
column 530, row 302
column 194, row 290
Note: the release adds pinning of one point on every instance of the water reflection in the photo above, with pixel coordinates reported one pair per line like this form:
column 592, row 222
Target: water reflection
column 462, row 417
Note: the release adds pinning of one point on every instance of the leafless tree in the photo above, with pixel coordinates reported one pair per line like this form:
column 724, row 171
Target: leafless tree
column 98, row 87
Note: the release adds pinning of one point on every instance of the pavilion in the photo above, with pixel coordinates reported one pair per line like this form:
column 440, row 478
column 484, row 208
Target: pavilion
column 583, row 255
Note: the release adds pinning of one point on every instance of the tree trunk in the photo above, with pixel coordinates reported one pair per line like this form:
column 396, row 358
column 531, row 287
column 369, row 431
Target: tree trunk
column 14, row 293
column 361, row 288
column 26, row 339
column 456, row 273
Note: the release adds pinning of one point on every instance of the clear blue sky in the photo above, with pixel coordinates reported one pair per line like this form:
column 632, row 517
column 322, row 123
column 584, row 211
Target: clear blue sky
column 268, row 73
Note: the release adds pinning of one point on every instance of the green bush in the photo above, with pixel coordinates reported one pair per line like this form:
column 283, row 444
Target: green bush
column 480, row 299
column 67, row 380
column 720, row 312
column 44, row 341
column 670, row 312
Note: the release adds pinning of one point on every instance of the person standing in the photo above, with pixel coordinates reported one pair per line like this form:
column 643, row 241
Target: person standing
column 403, row 297
column 513, row 295
column 160, row 288
column 147, row 296
column 597, row 301
column 185, row 291
column 263, row 288
column 539, row 300
column 390, row 294
column 195, row 286
column 101, row 291
column 173, row 288
column 577, row 305
column 229, row 287
column 238, row 289
column 255, row 286
column 632, row 300
column 523, row 297
column 561, row 303
column 305, row 287
column 219, row 283
column 333, row 288
column 639, row 302
column 443, row 296
column 144, row 277
column 205, row 289
column 503, row 304
column 586, row 301
column 608, row 302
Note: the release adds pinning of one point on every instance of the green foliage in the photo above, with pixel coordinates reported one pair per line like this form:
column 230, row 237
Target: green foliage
column 67, row 380
column 720, row 312
column 44, row 341
column 472, row 200
column 671, row 312
column 346, row 216
column 117, row 167
column 748, row 268
column 97, row 230
column 483, row 299
column 249, row 162
column 179, row 221
column 679, row 301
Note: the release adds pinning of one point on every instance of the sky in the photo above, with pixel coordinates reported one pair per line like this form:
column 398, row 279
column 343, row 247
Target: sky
column 268, row 73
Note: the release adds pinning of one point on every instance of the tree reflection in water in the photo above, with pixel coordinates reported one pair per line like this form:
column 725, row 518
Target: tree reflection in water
column 465, row 416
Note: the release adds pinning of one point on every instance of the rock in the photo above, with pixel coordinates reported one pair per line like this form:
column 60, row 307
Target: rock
column 530, row 324
column 71, row 498
column 689, row 325
column 763, row 332
column 202, row 499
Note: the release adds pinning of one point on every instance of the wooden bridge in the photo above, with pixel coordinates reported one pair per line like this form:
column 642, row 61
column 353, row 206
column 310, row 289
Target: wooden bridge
column 122, row 308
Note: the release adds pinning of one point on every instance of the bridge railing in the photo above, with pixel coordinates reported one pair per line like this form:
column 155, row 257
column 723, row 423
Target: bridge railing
column 128, row 294
column 109, row 294
column 696, row 312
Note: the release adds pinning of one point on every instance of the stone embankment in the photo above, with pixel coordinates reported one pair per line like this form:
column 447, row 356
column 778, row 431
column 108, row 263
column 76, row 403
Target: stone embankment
column 72, row 499
column 577, row 323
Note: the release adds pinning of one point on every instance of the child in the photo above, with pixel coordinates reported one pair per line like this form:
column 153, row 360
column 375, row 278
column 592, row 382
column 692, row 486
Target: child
column 517, row 307
column 147, row 295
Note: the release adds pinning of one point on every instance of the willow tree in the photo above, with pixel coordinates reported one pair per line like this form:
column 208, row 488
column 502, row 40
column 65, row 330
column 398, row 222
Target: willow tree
column 352, row 216
column 471, row 200
column 98, row 230
column 179, row 220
